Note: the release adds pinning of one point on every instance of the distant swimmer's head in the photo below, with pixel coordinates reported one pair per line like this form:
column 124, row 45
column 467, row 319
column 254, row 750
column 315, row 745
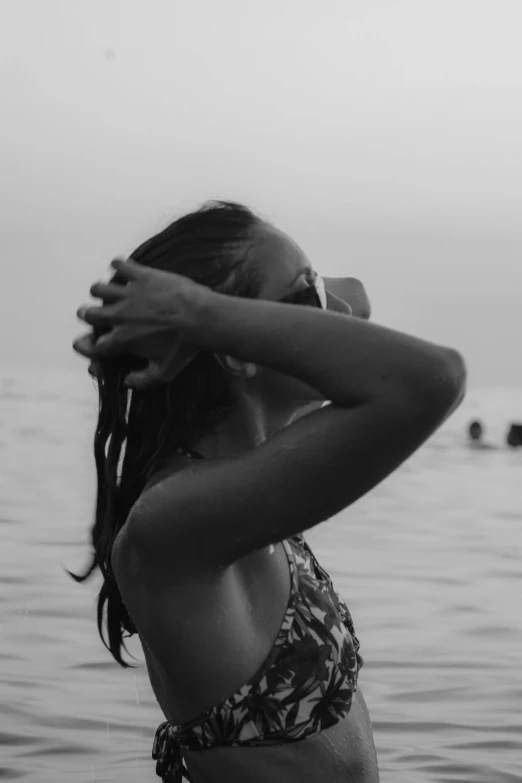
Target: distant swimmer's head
column 475, row 430
column 514, row 436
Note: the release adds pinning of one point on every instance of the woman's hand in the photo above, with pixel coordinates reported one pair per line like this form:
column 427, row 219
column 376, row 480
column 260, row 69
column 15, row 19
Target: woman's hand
column 148, row 314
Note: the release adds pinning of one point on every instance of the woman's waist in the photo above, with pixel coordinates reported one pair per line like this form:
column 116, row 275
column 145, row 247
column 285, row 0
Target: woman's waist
column 344, row 751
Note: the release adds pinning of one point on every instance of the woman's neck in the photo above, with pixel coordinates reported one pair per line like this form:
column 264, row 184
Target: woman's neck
column 239, row 434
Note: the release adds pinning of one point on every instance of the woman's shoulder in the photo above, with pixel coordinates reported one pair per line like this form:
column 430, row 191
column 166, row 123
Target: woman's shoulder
column 169, row 466
column 176, row 461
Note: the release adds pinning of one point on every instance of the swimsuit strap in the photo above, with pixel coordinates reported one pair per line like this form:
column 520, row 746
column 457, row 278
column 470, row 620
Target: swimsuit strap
column 168, row 756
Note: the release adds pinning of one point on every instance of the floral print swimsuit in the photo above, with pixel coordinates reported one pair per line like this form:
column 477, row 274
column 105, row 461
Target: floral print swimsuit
column 305, row 685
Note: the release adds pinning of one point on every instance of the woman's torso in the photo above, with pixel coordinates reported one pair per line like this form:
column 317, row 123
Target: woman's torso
column 343, row 753
column 204, row 641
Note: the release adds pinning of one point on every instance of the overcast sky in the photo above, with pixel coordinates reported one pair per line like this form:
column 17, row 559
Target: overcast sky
column 385, row 137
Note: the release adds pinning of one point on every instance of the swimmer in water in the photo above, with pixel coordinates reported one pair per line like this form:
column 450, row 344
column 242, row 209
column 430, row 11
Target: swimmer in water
column 475, row 433
column 514, row 436
column 209, row 346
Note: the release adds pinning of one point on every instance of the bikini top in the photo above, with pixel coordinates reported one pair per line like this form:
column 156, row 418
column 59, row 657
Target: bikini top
column 304, row 686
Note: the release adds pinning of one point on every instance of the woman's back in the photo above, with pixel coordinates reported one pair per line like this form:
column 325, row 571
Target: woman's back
column 204, row 639
column 263, row 659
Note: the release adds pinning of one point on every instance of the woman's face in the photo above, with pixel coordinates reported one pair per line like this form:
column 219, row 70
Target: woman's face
column 286, row 270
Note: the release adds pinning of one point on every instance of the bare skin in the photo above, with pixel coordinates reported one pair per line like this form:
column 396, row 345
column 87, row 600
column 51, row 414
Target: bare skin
column 206, row 633
column 206, row 641
column 228, row 626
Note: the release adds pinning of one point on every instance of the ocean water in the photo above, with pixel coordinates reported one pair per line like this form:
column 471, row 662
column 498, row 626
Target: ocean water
column 429, row 563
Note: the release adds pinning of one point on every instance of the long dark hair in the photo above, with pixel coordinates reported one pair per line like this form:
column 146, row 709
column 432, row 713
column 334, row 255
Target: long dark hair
column 138, row 430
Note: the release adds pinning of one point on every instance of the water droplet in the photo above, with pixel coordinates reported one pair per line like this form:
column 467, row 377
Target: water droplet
column 271, row 549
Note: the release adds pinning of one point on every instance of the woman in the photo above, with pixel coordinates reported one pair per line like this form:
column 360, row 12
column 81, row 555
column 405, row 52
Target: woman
column 208, row 474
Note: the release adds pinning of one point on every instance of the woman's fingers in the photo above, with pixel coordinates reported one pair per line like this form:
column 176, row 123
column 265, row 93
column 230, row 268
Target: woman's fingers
column 129, row 269
column 102, row 315
column 109, row 292
column 110, row 344
column 143, row 379
column 161, row 372
column 114, row 342
column 87, row 345
column 94, row 369
column 84, row 345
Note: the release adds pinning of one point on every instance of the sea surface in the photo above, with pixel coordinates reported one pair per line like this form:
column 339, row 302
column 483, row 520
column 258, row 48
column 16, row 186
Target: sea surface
column 429, row 563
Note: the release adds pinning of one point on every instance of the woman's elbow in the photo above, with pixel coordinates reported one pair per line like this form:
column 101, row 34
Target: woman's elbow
column 448, row 383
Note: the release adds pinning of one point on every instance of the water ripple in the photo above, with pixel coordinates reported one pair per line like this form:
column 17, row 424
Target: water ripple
column 427, row 563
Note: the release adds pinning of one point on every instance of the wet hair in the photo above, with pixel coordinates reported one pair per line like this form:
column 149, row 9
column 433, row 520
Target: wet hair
column 138, row 430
